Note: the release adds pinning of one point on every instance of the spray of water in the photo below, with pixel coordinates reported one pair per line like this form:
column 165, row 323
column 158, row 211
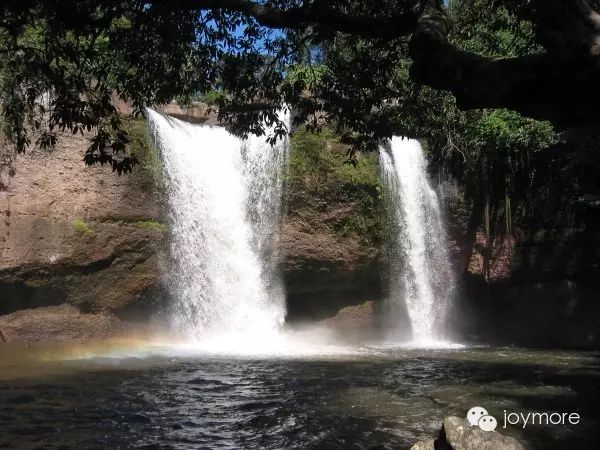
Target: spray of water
column 420, row 277
column 224, row 197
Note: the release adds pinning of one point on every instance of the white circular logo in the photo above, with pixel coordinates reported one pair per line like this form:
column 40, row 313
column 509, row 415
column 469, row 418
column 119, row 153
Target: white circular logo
column 488, row 423
column 476, row 413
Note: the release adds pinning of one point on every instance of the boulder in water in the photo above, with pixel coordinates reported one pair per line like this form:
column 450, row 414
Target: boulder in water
column 424, row 445
column 458, row 434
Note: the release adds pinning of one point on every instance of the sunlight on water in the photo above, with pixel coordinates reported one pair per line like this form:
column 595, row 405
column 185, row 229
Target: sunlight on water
column 281, row 345
column 311, row 342
column 302, row 390
column 424, row 344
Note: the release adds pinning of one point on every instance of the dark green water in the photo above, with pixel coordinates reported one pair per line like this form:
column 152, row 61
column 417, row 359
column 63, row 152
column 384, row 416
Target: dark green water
column 368, row 398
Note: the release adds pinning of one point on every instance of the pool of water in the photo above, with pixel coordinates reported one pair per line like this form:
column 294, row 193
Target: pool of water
column 128, row 395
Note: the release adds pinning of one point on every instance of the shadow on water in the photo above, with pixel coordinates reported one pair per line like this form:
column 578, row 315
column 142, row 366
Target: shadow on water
column 387, row 400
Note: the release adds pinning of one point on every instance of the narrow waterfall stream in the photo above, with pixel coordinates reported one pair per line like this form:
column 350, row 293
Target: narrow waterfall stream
column 224, row 198
column 420, row 275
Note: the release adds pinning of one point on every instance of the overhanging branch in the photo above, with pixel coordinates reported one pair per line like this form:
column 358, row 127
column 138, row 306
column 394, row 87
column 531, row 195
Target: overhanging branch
column 561, row 87
column 567, row 27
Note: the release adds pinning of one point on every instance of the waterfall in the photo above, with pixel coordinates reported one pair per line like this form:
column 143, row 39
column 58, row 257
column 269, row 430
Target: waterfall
column 420, row 276
column 224, row 196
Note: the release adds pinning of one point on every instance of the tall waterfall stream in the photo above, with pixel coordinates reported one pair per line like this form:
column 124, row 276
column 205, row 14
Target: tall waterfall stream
column 224, row 198
column 420, row 276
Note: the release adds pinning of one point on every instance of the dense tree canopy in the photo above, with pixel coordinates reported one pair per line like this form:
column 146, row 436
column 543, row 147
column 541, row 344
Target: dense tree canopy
column 365, row 67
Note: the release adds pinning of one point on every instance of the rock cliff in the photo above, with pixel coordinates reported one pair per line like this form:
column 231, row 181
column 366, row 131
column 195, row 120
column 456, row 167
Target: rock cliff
column 542, row 289
column 89, row 239
column 77, row 235
column 86, row 238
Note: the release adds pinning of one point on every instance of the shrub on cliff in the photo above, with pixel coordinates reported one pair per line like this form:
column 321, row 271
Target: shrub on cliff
column 320, row 179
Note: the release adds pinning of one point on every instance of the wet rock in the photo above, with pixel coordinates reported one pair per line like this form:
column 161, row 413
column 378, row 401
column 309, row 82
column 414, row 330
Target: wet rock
column 458, row 434
column 358, row 323
column 195, row 112
column 80, row 238
column 424, row 445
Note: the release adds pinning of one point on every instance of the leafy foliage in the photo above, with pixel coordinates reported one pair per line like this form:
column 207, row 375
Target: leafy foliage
column 65, row 62
column 491, row 153
column 503, row 32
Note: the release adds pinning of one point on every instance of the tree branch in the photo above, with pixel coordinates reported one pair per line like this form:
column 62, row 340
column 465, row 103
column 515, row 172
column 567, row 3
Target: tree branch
column 561, row 87
column 567, row 27
column 316, row 13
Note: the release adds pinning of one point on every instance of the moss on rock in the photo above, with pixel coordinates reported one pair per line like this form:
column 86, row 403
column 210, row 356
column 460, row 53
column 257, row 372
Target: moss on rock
column 321, row 177
column 147, row 154
column 84, row 228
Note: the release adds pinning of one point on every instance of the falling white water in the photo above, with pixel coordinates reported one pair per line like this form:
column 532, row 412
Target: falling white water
column 421, row 280
column 225, row 200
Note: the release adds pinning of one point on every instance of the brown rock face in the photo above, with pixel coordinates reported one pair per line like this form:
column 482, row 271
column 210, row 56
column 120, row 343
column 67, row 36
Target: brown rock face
column 358, row 323
column 196, row 112
column 325, row 272
column 59, row 323
column 545, row 293
column 76, row 234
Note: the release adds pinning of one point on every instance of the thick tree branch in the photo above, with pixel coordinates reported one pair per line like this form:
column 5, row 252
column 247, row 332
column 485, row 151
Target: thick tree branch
column 314, row 13
column 567, row 27
column 562, row 87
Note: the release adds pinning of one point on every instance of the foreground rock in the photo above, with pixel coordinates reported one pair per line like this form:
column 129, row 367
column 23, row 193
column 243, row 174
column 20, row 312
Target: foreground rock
column 458, row 434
